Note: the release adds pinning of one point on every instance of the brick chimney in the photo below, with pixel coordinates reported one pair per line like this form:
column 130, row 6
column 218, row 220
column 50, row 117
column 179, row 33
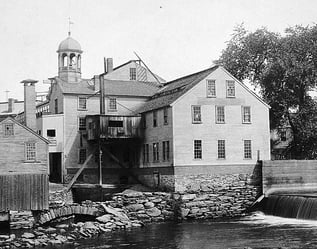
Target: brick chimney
column 29, row 103
column 11, row 102
column 109, row 65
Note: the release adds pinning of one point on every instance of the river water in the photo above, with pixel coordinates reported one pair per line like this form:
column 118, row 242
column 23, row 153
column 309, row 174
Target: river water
column 254, row 231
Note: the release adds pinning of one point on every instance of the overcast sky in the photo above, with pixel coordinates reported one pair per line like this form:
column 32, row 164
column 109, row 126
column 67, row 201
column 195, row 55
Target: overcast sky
column 174, row 38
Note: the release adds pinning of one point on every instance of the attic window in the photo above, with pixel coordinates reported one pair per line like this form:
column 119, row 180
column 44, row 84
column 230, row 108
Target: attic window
column 132, row 73
column 8, row 130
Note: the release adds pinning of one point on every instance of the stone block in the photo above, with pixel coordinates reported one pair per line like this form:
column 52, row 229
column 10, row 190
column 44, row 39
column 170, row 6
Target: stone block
column 153, row 212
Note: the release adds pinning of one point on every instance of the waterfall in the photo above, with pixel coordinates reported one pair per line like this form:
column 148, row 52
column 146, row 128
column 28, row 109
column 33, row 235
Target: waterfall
column 290, row 206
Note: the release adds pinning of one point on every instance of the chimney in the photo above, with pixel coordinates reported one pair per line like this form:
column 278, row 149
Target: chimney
column 109, row 65
column 29, row 103
column 11, row 105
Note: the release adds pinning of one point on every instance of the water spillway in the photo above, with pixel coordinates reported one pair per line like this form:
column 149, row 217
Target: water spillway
column 291, row 206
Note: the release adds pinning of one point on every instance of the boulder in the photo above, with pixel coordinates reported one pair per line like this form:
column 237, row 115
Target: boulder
column 153, row 212
column 105, row 218
column 149, row 204
column 28, row 235
column 135, row 207
column 116, row 212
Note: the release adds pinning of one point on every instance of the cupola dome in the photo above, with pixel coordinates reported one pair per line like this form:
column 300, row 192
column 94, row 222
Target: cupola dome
column 69, row 44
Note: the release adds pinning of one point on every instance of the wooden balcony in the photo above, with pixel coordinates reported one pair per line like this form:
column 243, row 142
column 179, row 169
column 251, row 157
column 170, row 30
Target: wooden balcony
column 112, row 127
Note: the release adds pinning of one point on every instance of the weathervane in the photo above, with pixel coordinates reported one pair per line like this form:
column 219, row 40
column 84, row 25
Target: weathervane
column 69, row 25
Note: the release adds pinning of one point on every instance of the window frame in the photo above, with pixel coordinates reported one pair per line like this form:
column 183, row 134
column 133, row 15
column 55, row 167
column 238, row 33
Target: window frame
column 133, row 73
column 11, row 131
column 198, row 149
column 221, row 149
column 81, row 127
column 156, row 150
column 30, row 157
column 244, row 115
column 218, row 118
column 193, row 114
column 112, row 104
column 82, row 107
column 230, row 90
column 211, row 93
column 146, row 153
column 166, row 150
column 247, row 149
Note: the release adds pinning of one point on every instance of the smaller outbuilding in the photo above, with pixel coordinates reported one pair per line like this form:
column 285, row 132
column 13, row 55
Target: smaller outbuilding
column 23, row 168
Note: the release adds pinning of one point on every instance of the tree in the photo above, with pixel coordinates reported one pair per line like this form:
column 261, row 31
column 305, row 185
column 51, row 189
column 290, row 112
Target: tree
column 285, row 70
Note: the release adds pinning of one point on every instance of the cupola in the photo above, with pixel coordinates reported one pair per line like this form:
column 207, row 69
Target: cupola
column 69, row 60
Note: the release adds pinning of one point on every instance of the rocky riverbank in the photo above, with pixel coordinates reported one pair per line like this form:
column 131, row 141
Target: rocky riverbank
column 212, row 197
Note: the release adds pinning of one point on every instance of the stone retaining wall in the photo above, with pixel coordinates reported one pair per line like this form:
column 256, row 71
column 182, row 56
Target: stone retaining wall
column 200, row 197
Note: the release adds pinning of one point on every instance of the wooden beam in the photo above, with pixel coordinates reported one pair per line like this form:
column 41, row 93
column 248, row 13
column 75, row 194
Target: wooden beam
column 122, row 165
column 78, row 173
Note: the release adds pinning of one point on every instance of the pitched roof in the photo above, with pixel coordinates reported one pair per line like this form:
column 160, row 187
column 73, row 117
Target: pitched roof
column 112, row 87
column 82, row 87
column 27, row 128
column 130, row 88
column 174, row 89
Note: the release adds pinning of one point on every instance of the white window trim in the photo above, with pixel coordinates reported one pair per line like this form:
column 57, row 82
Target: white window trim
column 201, row 150
column 109, row 104
column 227, row 88
column 247, row 158
column 210, row 95
column 4, row 129
column 80, row 108
column 242, row 113
column 216, row 114
column 80, row 117
column 193, row 115
column 25, row 152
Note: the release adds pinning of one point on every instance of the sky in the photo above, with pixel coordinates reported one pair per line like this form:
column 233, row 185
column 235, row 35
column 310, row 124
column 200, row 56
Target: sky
column 173, row 37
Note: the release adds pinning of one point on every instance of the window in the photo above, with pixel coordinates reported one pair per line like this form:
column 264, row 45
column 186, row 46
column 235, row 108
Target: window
column 220, row 114
column 51, row 133
column 197, row 149
column 82, row 103
column 112, row 104
column 196, row 114
column 246, row 114
column 56, row 105
column 155, row 152
column 165, row 116
column 166, row 150
column 145, row 153
column 230, row 89
column 8, row 130
column 82, row 154
column 221, row 149
column 211, row 88
column 132, row 73
column 247, row 149
column 81, row 123
column 154, row 118
column 30, row 152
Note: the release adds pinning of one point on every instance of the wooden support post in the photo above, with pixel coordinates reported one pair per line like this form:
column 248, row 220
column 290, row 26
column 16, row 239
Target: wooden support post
column 78, row 173
column 100, row 165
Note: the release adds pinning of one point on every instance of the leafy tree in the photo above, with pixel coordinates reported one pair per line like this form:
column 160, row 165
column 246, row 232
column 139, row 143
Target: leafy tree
column 285, row 70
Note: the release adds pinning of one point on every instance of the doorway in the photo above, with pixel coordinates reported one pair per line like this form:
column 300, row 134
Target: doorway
column 55, row 161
